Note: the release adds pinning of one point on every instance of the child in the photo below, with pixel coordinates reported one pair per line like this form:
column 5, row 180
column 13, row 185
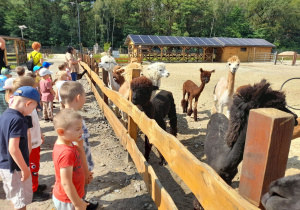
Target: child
column 47, row 66
column 36, row 70
column 6, row 72
column 68, row 189
column 47, row 93
column 20, row 71
column 63, row 67
column 8, row 88
column 3, row 103
column 14, row 153
column 73, row 97
column 62, row 77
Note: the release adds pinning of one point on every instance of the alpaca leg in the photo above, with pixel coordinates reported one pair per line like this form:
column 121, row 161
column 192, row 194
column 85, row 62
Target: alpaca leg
column 197, row 205
column 195, row 109
column 173, row 119
column 183, row 105
column 190, row 110
column 162, row 162
column 228, row 113
column 221, row 108
column 147, row 148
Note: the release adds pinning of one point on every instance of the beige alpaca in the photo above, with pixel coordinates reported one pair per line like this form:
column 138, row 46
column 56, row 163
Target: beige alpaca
column 225, row 87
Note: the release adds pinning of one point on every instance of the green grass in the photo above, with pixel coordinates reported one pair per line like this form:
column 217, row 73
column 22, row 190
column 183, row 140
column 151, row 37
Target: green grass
column 99, row 56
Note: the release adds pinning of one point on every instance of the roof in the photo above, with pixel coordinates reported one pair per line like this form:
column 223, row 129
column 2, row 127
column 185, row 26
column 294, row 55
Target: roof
column 287, row 53
column 13, row 38
column 195, row 41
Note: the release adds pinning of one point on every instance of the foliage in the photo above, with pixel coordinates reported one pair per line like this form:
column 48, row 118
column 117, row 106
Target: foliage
column 106, row 46
column 55, row 23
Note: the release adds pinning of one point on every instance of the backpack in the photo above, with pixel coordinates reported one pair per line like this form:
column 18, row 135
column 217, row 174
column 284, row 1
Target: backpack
column 30, row 63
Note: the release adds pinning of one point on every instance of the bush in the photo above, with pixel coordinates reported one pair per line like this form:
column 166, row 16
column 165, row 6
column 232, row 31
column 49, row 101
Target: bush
column 106, row 46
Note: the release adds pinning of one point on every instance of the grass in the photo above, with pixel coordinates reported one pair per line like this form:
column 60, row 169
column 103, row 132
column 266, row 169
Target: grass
column 121, row 56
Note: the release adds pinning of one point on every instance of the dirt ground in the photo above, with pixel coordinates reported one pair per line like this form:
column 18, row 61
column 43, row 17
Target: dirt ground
column 117, row 185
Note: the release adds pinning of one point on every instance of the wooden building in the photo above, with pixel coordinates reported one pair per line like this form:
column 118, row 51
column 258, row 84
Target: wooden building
column 196, row 49
column 17, row 54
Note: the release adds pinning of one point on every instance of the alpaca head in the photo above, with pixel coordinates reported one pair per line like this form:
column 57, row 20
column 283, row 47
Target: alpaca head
column 117, row 74
column 107, row 63
column 141, row 90
column 259, row 95
column 157, row 70
column 205, row 75
column 233, row 63
column 127, row 73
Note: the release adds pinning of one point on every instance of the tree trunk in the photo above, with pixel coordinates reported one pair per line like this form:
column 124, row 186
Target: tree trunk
column 112, row 33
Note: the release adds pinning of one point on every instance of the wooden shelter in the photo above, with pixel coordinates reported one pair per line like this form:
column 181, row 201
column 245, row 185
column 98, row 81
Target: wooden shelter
column 174, row 48
column 18, row 55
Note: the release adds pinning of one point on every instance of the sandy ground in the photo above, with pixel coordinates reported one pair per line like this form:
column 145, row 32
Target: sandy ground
column 117, row 185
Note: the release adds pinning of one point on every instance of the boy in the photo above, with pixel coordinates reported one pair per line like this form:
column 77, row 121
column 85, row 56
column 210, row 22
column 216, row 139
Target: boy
column 36, row 70
column 73, row 97
column 62, row 77
column 6, row 72
column 20, row 71
column 68, row 189
column 14, row 152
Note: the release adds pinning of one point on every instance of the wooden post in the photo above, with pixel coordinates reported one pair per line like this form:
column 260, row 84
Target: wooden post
column 266, row 152
column 132, row 127
column 294, row 59
column 254, row 55
column 104, row 79
column 16, row 50
column 275, row 57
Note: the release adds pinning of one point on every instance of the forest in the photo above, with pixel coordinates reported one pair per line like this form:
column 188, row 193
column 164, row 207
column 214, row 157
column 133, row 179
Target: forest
column 55, row 23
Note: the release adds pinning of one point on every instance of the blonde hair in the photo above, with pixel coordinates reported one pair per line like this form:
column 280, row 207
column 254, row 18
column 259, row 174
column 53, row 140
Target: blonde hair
column 23, row 81
column 60, row 74
column 62, row 66
column 8, row 93
column 66, row 118
column 20, row 70
column 69, row 90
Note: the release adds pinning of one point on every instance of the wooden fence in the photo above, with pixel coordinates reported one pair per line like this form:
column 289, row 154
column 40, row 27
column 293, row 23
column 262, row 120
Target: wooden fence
column 203, row 181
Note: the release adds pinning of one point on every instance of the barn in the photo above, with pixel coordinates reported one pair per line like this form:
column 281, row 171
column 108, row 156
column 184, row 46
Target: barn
column 197, row 49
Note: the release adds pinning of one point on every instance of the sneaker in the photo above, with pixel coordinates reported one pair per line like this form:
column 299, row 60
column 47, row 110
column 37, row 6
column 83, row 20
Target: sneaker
column 92, row 206
column 40, row 196
column 42, row 187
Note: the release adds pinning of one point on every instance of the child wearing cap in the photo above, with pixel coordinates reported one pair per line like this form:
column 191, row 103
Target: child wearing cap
column 47, row 93
column 14, row 152
column 8, row 86
column 6, row 72
column 3, row 104
column 36, row 70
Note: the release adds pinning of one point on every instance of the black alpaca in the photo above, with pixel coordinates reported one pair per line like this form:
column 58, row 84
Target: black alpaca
column 283, row 194
column 225, row 139
column 161, row 105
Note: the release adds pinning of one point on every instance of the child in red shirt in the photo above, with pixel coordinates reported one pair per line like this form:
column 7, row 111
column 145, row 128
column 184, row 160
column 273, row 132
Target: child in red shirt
column 69, row 184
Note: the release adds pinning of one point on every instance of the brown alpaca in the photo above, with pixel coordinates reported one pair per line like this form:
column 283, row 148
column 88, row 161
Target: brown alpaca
column 193, row 91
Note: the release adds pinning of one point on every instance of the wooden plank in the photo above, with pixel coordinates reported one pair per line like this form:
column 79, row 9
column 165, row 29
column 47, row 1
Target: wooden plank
column 158, row 193
column 269, row 135
column 296, row 133
column 16, row 50
column 202, row 180
column 104, row 79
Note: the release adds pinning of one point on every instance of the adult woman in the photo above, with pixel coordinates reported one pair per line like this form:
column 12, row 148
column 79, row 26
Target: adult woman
column 73, row 63
column 2, row 48
column 36, row 55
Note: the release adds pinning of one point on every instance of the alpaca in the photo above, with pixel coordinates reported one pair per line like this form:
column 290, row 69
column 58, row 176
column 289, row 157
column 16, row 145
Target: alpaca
column 108, row 63
column 283, row 194
column 225, row 139
column 155, row 72
column 224, row 89
column 193, row 91
column 162, row 105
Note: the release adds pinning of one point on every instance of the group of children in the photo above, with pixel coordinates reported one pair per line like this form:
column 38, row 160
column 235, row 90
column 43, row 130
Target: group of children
column 21, row 138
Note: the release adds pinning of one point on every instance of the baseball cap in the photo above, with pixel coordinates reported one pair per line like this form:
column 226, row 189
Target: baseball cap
column 46, row 64
column 8, row 83
column 2, row 82
column 5, row 71
column 29, row 92
column 44, row 72
column 36, row 68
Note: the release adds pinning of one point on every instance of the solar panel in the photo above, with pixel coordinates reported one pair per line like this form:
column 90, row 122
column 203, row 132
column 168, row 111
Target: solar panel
column 156, row 39
column 174, row 40
column 165, row 40
column 191, row 41
column 136, row 39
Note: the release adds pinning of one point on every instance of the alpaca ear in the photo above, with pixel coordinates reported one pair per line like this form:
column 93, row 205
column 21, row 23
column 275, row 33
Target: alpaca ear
column 212, row 71
column 201, row 70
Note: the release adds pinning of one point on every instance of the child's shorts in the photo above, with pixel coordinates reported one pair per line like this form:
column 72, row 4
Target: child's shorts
column 18, row 192
column 59, row 205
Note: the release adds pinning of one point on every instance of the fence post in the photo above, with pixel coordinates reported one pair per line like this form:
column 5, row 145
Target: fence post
column 104, row 79
column 294, row 58
column 132, row 126
column 266, row 152
column 275, row 57
column 17, row 54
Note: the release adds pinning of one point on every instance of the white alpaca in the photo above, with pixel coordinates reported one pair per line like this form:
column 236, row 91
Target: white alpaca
column 155, row 72
column 108, row 63
column 224, row 89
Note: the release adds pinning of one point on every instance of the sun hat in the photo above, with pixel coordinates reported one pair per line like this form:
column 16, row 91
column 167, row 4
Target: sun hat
column 8, row 83
column 46, row 64
column 2, row 82
column 29, row 92
column 36, row 68
column 44, row 72
column 5, row 71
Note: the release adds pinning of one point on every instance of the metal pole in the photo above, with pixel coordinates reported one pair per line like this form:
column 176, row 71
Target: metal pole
column 22, row 33
column 78, row 26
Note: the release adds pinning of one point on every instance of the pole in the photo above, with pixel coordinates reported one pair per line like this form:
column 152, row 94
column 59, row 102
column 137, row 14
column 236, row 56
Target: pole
column 22, row 33
column 78, row 26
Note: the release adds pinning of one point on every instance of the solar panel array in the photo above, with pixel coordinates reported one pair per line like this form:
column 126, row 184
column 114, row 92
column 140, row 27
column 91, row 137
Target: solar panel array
column 196, row 41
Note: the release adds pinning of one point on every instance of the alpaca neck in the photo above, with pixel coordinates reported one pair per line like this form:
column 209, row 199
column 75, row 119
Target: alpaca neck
column 230, row 83
column 235, row 155
column 113, row 84
column 200, row 88
column 156, row 82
